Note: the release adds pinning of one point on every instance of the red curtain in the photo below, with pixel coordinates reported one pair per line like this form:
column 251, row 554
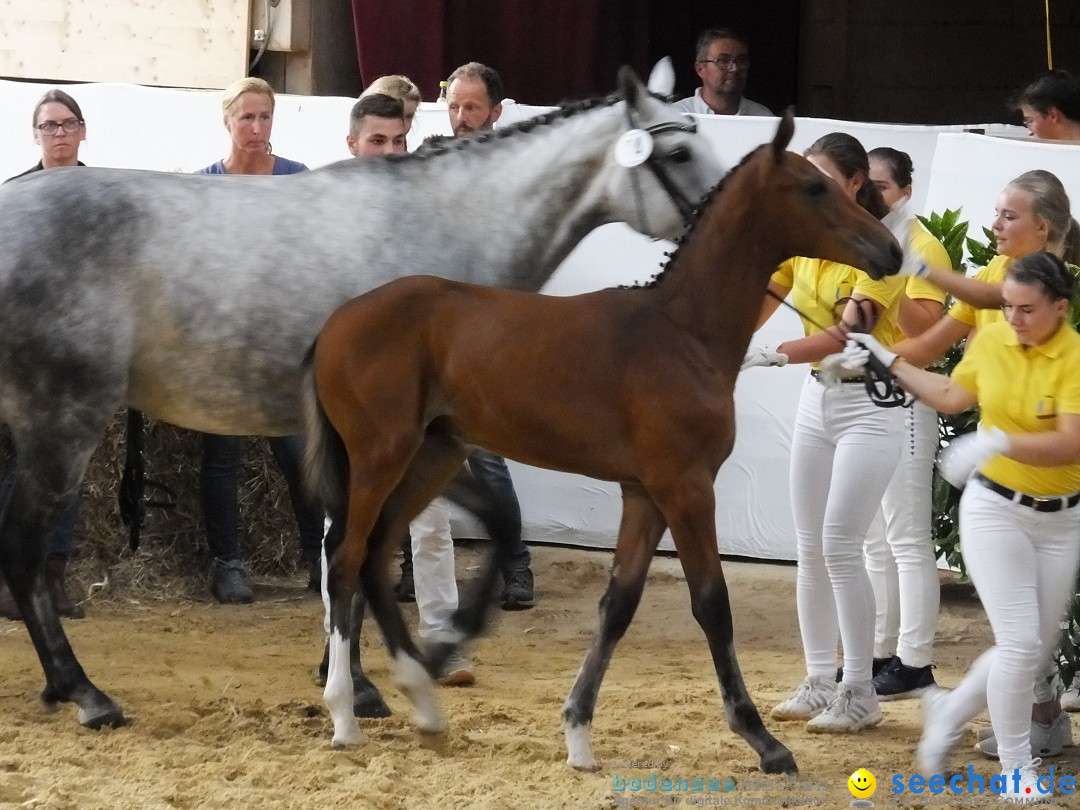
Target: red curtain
column 546, row 50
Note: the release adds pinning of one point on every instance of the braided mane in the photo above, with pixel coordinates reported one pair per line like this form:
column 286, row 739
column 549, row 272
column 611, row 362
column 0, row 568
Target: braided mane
column 440, row 145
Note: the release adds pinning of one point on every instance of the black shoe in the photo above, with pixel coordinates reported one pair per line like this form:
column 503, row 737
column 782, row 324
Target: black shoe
column 518, row 590
column 879, row 665
column 406, row 588
column 898, row 681
column 230, row 583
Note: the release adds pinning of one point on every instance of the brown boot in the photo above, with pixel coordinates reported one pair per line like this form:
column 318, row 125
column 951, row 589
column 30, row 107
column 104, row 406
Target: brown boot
column 54, row 581
column 8, row 608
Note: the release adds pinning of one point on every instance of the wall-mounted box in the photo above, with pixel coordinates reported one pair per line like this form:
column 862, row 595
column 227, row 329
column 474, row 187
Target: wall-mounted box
column 287, row 28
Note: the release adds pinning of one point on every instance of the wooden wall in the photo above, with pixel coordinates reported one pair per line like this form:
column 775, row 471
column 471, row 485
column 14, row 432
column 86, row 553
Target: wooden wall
column 176, row 43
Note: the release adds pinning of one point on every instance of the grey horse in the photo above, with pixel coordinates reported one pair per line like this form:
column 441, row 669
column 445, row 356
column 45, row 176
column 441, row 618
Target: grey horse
column 193, row 298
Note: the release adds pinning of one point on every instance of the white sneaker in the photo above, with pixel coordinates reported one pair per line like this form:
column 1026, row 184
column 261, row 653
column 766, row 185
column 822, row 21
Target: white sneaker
column 1046, row 741
column 809, row 700
column 1027, row 791
column 1070, row 701
column 939, row 735
column 850, row 710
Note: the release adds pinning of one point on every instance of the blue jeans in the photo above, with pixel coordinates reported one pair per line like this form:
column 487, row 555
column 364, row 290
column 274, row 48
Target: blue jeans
column 492, row 472
column 62, row 538
column 218, row 481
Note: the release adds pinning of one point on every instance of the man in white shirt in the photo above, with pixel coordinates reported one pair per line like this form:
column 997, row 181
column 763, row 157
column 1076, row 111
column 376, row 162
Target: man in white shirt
column 722, row 62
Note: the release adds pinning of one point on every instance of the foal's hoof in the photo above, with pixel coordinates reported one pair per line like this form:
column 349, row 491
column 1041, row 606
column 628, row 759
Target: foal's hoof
column 99, row 720
column 368, row 701
column 779, row 760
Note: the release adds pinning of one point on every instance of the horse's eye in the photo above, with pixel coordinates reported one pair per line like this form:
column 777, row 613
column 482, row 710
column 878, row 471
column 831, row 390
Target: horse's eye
column 816, row 188
column 680, row 154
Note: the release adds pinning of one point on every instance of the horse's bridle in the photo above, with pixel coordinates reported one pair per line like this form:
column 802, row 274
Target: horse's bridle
column 685, row 206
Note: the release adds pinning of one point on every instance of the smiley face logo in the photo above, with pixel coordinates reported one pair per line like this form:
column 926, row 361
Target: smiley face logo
column 862, row 784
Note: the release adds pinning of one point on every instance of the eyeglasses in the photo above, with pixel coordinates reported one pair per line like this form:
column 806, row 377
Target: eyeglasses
column 725, row 62
column 51, row 127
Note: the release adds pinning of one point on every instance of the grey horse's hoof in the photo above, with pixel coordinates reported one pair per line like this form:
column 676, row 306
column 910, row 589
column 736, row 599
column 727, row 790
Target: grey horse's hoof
column 779, row 760
column 96, row 713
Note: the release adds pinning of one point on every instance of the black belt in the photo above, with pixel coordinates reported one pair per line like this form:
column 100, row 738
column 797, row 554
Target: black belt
column 1053, row 503
column 817, row 376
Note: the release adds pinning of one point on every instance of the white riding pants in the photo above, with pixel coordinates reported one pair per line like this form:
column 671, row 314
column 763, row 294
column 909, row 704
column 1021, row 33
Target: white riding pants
column 900, row 549
column 433, row 569
column 1023, row 564
column 844, row 451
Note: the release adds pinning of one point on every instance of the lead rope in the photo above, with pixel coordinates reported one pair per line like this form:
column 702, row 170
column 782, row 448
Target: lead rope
column 880, row 383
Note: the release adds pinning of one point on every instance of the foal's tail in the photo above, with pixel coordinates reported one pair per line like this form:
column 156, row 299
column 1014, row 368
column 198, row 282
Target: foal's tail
column 326, row 463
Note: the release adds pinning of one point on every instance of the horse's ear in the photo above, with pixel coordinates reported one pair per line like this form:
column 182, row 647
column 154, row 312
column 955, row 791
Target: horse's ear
column 630, row 87
column 662, row 78
column 784, row 132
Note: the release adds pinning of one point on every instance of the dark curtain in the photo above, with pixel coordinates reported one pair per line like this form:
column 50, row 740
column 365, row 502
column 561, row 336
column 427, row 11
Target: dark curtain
column 549, row 51
column 546, row 50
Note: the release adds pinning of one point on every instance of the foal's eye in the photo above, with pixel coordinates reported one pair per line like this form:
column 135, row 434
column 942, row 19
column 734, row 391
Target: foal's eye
column 680, row 154
column 816, row 188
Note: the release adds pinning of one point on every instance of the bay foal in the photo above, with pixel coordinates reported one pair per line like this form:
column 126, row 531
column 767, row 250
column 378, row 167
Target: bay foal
column 629, row 385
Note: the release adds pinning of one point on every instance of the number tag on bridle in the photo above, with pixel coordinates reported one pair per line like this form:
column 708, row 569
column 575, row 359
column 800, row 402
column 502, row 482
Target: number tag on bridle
column 633, row 148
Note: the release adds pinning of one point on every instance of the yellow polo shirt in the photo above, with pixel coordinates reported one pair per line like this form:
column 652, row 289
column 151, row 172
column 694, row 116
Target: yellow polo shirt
column 994, row 273
column 1022, row 391
column 820, row 289
column 934, row 254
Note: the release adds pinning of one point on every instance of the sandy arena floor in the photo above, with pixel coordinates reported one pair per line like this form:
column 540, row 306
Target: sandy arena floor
column 226, row 714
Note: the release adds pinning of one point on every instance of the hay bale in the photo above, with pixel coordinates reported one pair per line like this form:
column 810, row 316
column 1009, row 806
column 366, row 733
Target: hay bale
column 173, row 559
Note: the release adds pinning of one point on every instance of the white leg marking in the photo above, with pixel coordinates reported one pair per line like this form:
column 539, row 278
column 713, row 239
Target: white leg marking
column 579, row 753
column 338, row 694
column 323, row 589
column 420, row 690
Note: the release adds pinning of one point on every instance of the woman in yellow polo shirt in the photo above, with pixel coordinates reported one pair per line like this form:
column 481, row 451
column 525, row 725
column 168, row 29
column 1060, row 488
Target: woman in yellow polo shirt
column 900, row 557
column 1019, row 519
column 1032, row 213
column 844, row 450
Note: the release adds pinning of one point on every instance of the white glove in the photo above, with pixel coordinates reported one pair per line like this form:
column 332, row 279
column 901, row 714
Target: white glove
column 763, row 356
column 834, row 367
column 859, row 348
column 854, row 357
column 899, row 222
column 970, row 452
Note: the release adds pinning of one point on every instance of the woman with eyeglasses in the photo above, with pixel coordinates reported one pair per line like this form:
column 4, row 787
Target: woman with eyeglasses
column 248, row 114
column 1019, row 519
column 59, row 129
column 843, row 452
